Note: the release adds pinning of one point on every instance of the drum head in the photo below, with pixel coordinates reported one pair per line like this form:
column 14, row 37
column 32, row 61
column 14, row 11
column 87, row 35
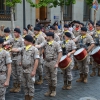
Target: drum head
column 62, row 58
column 95, row 50
column 78, row 51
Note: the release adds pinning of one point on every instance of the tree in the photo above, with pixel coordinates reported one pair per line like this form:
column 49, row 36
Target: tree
column 12, row 4
column 53, row 3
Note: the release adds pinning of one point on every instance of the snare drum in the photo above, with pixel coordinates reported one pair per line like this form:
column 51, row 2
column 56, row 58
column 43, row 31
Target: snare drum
column 80, row 54
column 96, row 55
column 65, row 62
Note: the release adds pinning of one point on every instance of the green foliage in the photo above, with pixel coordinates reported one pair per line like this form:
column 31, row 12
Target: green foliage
column 53, row 3
column 12, row 3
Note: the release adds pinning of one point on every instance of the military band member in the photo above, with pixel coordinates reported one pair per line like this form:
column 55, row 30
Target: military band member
column 30, row 27
column 84, row 41
column 5, row 70
column 70, row 49
column 29, row 61
column 76, row 30
column 53, row 53
column 96, row 37
column 56, row 37
column 38, row 40
column 17, row 42
column 25, row 32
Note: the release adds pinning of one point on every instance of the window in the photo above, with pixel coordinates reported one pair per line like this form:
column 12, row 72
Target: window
column 4, row 11
column 67, row 13
column 87, row 12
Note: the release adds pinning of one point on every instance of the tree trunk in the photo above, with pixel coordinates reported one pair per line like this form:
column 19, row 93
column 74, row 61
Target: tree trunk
column 62, row 21
column 12, row 22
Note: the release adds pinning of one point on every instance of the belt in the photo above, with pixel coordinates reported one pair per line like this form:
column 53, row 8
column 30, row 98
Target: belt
column 48, row 60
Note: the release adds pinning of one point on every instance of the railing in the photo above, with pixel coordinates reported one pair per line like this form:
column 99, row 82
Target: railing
column 5, row 15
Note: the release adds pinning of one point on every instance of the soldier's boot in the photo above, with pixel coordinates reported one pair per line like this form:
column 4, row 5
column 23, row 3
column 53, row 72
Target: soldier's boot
column 53, row 93
column 49, row 91
column 65, row 85
column 69, row 85
column 30, row 98
column 18, row 88
column 14, row 87
column 98, row 71
column 80, row 79
column 93, row 72
column 40, row 81
column 85, row 78
column 26, row 97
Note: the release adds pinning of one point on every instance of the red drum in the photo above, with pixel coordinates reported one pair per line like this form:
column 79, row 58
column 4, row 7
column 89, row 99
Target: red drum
column 65, row 62
column 80, row 54
column 96, row 55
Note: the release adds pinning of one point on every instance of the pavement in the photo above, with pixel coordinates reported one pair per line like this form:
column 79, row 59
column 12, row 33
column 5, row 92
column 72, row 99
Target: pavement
column 78, row 91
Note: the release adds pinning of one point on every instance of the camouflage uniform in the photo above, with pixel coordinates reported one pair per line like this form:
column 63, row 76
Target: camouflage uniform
column 56, row 38
column 28, row 58
column 16, row 64
column 38, row 40
column 51, row 52
column 96, row 37
column 30, row 33
column 85, row 43
column 5, row 59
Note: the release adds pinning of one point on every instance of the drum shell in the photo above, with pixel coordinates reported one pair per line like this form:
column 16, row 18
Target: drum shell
column 96, row 57
column 65, row 63
column 81, row 56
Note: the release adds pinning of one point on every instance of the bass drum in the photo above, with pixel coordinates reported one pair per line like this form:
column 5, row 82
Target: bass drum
column 65, row 62
column 80, row 54
column 96, row 55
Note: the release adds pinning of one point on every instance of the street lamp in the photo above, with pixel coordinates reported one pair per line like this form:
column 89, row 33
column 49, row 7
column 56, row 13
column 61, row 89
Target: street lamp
column 24, row 17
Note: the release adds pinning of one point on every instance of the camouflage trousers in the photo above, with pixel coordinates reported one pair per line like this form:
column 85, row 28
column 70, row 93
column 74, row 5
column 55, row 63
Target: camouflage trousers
column 83, row 65
column 28, row 84
column 67, row 74
column 16, row 71
column 40, row 67
column 51, row 73
column 2, row 88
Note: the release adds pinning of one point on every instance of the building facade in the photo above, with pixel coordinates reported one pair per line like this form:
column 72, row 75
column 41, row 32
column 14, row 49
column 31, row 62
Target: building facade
column 79, row 11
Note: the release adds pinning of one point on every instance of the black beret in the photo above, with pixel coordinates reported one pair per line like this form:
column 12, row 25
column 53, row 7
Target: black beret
column 90, row 21
column 26, row 29
column 98, row 24
column 17, row 30
column 52, row 27
column 66, row 26
column 84, row 29
column 7, row 30
column 28, row 26
column 36, row 28
column 68, row 34
column 82, row 24
column 50, row 34
column 1, row 40
column 28, row 38
column 78, row 22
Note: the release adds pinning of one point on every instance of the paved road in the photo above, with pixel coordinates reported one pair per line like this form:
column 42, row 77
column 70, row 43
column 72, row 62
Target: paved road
column 79, row 90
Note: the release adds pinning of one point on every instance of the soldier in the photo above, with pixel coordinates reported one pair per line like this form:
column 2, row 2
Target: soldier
column 30, row 57
column 5, row 70
column 25, row 32
column 17, row 42
column 38, row 40
column 56, row 37
column 70, row 49
column 53, row 53
column 76, row 30
column 86, row 41
column 96, row 37
column 30, row 30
